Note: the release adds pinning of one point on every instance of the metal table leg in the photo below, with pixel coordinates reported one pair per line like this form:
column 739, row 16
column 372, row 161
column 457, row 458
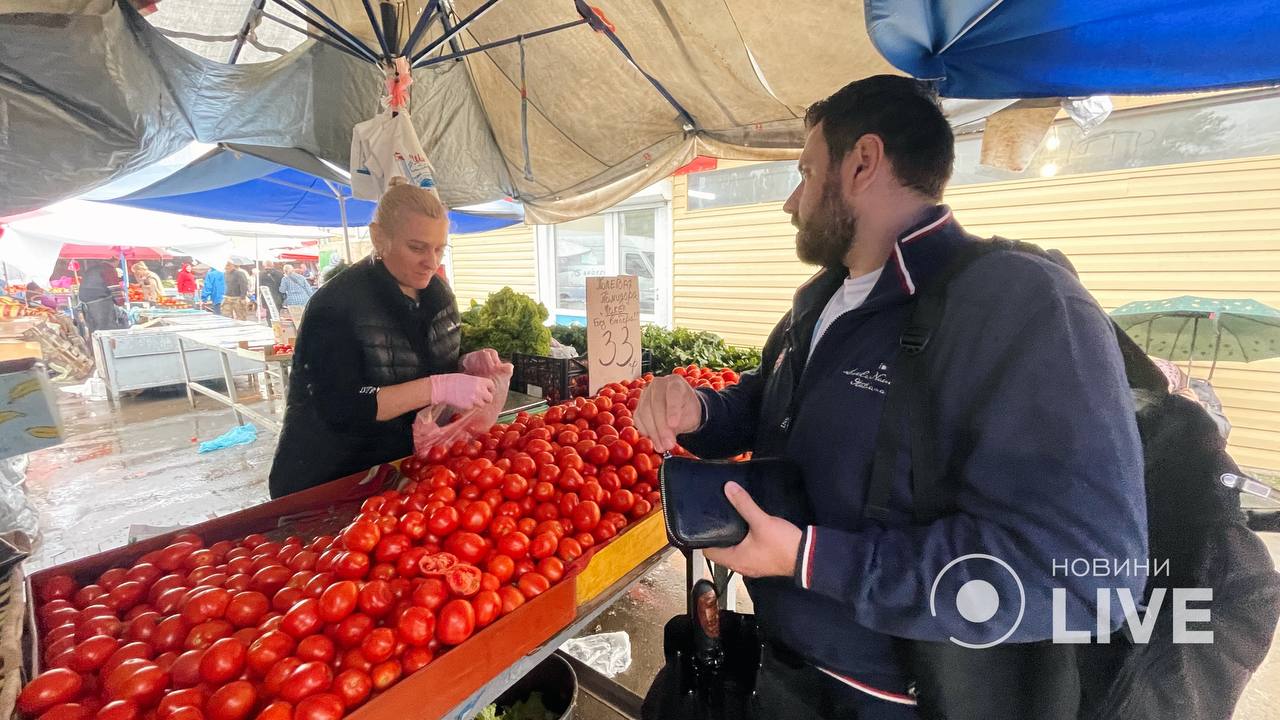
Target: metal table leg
column 231, row 386
column 186, row 372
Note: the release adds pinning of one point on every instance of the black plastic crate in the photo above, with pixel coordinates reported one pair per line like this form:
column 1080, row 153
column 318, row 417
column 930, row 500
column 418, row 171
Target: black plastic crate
column 559, row 378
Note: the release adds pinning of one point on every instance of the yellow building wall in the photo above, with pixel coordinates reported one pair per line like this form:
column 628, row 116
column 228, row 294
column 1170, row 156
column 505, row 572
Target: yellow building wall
column 487, row 262
column 1210, row 229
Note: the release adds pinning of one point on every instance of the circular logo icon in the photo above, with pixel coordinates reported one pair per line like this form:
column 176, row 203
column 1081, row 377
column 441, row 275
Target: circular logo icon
column 977, row 600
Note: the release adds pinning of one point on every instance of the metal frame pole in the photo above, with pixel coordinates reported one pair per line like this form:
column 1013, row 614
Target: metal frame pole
column 451, row 34
column 427, row 13
column 377, row 31
column 498, row 43
column 243, row 35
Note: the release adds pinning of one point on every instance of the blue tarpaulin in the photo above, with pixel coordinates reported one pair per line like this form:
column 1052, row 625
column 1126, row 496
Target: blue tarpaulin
column 229, row 183
column 1063, row 48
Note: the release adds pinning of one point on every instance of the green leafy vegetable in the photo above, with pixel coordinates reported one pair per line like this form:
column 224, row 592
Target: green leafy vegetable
column 509, row 322
column 681, row 346
column 490, row 712
column 531, row 708
column 574, row 336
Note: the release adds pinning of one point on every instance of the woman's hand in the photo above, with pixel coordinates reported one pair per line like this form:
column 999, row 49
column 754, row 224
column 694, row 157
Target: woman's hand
column 482, row 363
column 460, row 391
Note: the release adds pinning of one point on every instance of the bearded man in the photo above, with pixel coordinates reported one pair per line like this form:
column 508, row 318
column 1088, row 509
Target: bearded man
column 1034, row 431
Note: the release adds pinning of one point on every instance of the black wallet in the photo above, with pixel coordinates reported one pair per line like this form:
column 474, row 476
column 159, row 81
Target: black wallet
column 697, row 513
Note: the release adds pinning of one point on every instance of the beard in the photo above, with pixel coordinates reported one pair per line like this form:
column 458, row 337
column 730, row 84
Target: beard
column 825, row 238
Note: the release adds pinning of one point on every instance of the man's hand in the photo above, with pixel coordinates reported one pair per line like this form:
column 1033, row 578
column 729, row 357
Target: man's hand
column 668, row 407
column 771, row 544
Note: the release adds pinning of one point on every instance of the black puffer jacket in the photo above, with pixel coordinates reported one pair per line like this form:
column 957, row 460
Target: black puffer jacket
column 360, row 333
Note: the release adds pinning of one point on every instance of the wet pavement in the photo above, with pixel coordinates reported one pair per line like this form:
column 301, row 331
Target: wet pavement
column 138, row 465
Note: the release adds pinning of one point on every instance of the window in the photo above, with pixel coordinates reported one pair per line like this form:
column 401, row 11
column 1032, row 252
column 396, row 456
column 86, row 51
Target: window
column 629, row 241
column 748, row 185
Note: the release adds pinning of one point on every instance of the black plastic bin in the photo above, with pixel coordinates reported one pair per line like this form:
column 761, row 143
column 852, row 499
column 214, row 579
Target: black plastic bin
column 559, row 378
column 554, row 679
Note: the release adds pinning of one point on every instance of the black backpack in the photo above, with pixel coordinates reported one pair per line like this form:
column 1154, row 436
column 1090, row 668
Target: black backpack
column 1194, row 521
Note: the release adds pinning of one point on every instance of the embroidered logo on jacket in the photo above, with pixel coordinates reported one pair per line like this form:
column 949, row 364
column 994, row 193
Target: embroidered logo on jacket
column 876, row 381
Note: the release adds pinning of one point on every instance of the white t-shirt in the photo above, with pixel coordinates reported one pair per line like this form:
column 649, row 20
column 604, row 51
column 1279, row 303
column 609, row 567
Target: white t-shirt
column 850, row 296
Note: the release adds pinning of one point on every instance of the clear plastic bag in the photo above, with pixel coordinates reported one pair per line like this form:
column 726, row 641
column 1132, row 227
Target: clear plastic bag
column 434, row 428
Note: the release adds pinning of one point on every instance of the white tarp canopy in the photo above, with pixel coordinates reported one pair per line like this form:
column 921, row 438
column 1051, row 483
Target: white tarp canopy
column 91, row 90
column 32, row 244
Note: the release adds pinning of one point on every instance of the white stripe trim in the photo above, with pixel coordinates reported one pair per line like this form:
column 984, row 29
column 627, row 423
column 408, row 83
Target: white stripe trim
column 804, row 557
column 873, row 692
column 927, row 228
column 902, row 267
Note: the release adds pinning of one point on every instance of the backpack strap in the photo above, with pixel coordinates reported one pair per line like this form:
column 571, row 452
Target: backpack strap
column 909, row 397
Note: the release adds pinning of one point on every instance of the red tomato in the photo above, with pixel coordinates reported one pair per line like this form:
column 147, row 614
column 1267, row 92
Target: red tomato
column 416, row 626
column 502, row 567
column 119, row 710
column 90, row 655
column 552, row 568
column 640, row 509
column 279, row 674
column 185, row 670
column 376, row 598
column 390, row 547
column 267, row 650
column 533, row 584
column 585, row 539
column 463, row 580
column 185, row 698
column 360, row 536
column 245, row 609
column 353, row 686
column 476, row 517
column 353, row 629
column 379, row 645
column 526, row 525
column 124, row 596
column 351, row 565
column 58, row 587
column 143, row 686
column 443, row 521
column 222, row 661
column 205, row 634
column 277, row 710
column 132, row 651
column 487, row 606
column 302, row 619
column 514, row 545
column 413, row 525
column 568, row 549
column 338, row 601
column 233, row 701
column 431, row 594
column 385, row 674
column 603, row 532
column 544, row 545
column 456, row 622
column 322, row 706
column 308, row 679
column 317, row 647
column 171, row 557
column 597, row 454
column 269, row 580
column 515, row 486
column 49, row 688
column 416, row 658
column 468, row 546
column 586, row 515
column 512, row 598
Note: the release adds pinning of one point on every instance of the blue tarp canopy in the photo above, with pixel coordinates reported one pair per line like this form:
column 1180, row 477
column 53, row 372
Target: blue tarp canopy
column 1063, row 48
column 283, row 186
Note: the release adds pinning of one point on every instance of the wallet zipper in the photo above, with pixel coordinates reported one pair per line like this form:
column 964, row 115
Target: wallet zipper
column 662, row 492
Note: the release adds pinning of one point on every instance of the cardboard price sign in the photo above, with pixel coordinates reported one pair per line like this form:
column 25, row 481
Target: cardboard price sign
column 613, row 330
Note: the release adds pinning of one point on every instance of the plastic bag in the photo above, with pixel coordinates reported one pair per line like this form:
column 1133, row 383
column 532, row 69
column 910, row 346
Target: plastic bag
column 384, row 147
column 606, row 653
column 429, row 431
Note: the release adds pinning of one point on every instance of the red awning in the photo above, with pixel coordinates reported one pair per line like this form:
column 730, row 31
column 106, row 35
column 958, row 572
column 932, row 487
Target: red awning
column 111, row 252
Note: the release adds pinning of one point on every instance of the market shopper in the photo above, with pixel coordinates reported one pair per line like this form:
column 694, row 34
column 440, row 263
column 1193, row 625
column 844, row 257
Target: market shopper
column 270, row 277
column 214, row 290
column 380, row 342
column 235, row 304
column 149, row 282
column 186, row 282
column 1033, row 423
column 102, row 297
column 297, row 292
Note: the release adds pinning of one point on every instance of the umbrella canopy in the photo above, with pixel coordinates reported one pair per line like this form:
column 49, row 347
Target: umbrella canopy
column 1207, row 329
column 109, row 252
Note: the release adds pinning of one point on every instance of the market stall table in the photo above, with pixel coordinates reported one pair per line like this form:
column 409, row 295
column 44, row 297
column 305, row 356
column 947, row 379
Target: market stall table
column 241, row 342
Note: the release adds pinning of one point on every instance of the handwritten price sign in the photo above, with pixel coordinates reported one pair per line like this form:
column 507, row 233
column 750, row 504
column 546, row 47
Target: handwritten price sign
column 613, row 329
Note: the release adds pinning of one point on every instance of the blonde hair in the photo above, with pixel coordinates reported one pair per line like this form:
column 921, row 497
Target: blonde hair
column 402, row 198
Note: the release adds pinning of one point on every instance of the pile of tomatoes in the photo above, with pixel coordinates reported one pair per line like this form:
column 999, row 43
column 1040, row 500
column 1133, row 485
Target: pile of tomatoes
column 701, row 377
column 309, row 630
column 281, row 349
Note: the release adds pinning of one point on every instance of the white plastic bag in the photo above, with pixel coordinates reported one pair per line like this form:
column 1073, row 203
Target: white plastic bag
column 385, row 147
column 428, row 430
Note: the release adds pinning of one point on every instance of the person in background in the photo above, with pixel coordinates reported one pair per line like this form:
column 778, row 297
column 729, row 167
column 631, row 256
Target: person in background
column 36, row 296
column 271, row 277
column 102, row 297
column 380, row 343
column 1195, row 389
column 186, row 282
column 297, row 291
column 236, row 303
column 215, row 289
column 152, row 288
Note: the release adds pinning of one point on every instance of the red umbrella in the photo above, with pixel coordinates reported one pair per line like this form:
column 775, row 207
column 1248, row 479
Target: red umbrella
column 111, row 252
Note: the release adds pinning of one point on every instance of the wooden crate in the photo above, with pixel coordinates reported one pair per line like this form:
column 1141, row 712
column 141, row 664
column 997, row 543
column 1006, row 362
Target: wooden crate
column 621, row 555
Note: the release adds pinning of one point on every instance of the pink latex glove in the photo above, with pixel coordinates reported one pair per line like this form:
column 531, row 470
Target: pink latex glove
column 483, row 363
column 460, row 391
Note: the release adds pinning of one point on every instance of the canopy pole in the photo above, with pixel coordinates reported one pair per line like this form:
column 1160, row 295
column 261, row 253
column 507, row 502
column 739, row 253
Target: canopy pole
column 337, row 33
column 346, row 234
column 318, row 38
column 390, row 19
column 1191, row 352
column 124, row 270
column 427, row 13
column 243, row 35
column 498, row 43
column 452, row 33
column 377, row 31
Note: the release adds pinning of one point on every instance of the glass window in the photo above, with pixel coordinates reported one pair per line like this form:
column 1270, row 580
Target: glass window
column 580, row 253
column 748, row 185
column 636, row 248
